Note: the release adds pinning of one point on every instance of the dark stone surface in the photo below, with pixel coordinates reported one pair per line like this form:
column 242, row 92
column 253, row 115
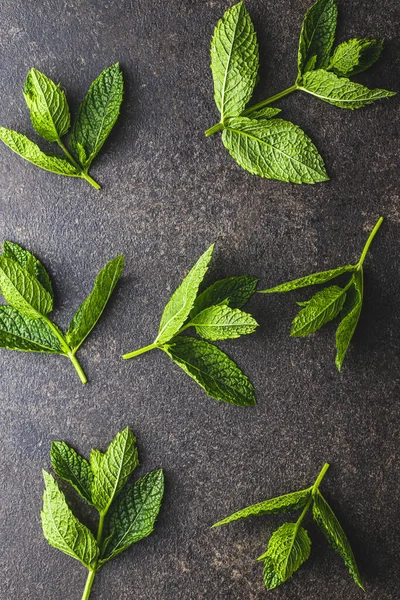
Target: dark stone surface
column 168, row 193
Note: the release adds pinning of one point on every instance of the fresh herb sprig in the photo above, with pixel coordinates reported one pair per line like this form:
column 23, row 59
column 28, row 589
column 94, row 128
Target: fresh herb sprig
column 25, row 324
column 51, row 119
column 127, row 511
column 215, row 315
column 326, row 304
column 258, row 142
column 290, row 546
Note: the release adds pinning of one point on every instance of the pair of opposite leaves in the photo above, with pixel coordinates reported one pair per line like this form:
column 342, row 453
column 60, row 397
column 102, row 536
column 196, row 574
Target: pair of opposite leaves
column 215, row 314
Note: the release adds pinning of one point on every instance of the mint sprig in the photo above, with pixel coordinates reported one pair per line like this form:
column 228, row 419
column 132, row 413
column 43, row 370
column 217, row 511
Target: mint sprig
column 273, row 147
column 127, row 511
column 50, row 116
column 25, row 324
column 290, row 546
column 328, row 303
column 215, row 315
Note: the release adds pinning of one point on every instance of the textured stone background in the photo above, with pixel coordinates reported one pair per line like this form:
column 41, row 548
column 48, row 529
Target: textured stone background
column 168, row 193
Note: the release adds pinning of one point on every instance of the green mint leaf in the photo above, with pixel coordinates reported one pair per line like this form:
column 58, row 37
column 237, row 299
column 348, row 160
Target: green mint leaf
column 97, row 115
column 319, row 310
column 91, row 309
column 354, row 56
column 95, row 460
column 19, row 332
column 72, row 467
column 181, row 302
column 317, row 35
column 265, row 113
column 133, row 515
column 235, row 291
column 281, row 504
column 48, row 106
column 313, row 279
column 23, row 291
column 117, row 464
column 222, row 322
column 234, row 61
column 349, row 321
column 331, row 528
column 213, row 370
column 30, row 263
column 340, row 91
column 62, row 529
column 32, row 153
column 275, row 149
column 271, row 577
column 288, row 548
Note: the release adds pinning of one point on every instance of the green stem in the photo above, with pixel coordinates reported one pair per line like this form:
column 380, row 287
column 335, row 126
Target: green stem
column 66, row 349
column 100, row 529
column 140, row 351
column 82, row 172
column 320, row 478
column 369, row 241
column 89, row 583
column 92, row 572
column 78, row 367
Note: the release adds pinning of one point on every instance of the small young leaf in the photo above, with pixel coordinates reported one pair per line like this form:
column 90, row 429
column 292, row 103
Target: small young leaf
column 23, row 291
column 265, row 113
column 30, row 263
column 340, row 91
column 97, row 115
column 213, row 370
column 234, row 61
column 72, row 467
column 331, row 528
column 317, row 35
column 281, row 504
column 288, row 548
column 313, row 279
column 235, row 291
column 349, row 321
column 95, row 460
column 181, row 302
column 62, row 529
column 132, row 516
column 48, row 106
column 320, row 309
column 275, row 149
column 92, row 308
column 222, row 322
column 354, row 56
column 19, row 332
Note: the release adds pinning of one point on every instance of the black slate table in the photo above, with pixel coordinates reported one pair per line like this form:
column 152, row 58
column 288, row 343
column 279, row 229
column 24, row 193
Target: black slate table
column 168, row 192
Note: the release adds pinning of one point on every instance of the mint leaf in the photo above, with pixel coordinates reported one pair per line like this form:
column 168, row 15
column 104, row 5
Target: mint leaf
column 234, row 61
column 314, row 279
column 265, row 113
column 281, row 504
column 48, row 106
column 97, row 115
column 222, row 322
column 72, row 467
column 181, row 302
column 22, row 291
column 349, row 321
column 320, row 309
column 95, row 460
column 340, row 91
column 235, row 291
column 29, row 263
column 19, row 332
column 92, row 308
column 271, row 577
column 117, row 464
column 133, row 515
column 213, row 370
column 354, row 56
column 331, row 528
column 317, row 35
column 275, row 149
column 288, row 548
column 62, row 529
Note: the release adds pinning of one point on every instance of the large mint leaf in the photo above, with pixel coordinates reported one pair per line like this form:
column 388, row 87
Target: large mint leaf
column 340, row 91
column 234, row 291
column 222, row 322
column 313, row 279
column 320, row 309
column 335, row 535
column 116, row 465
column 281, row 504
column 48, row 106
column 348, row 324
column 181, row 302
column 97, row 115
column 62, row 529
column 19, row 332
column 213, row 370
column 91, row 309
column 275, row 149
column 72, row 467
column 29, row 262
column 317, row 35
column 354, row 56
column 288, row 548
column 23, row 291
column 234, row 61
column 132, row 516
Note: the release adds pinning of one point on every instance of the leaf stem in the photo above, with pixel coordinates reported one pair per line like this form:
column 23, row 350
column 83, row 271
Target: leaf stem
column 369, row 241
column 100, row 529
column 82, row 172
column 320, row 478
column 77, row 366
column 89, row 583
column 140, row 351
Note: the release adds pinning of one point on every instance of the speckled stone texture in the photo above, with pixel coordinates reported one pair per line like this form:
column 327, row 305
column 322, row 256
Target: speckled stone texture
column 168, row 192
